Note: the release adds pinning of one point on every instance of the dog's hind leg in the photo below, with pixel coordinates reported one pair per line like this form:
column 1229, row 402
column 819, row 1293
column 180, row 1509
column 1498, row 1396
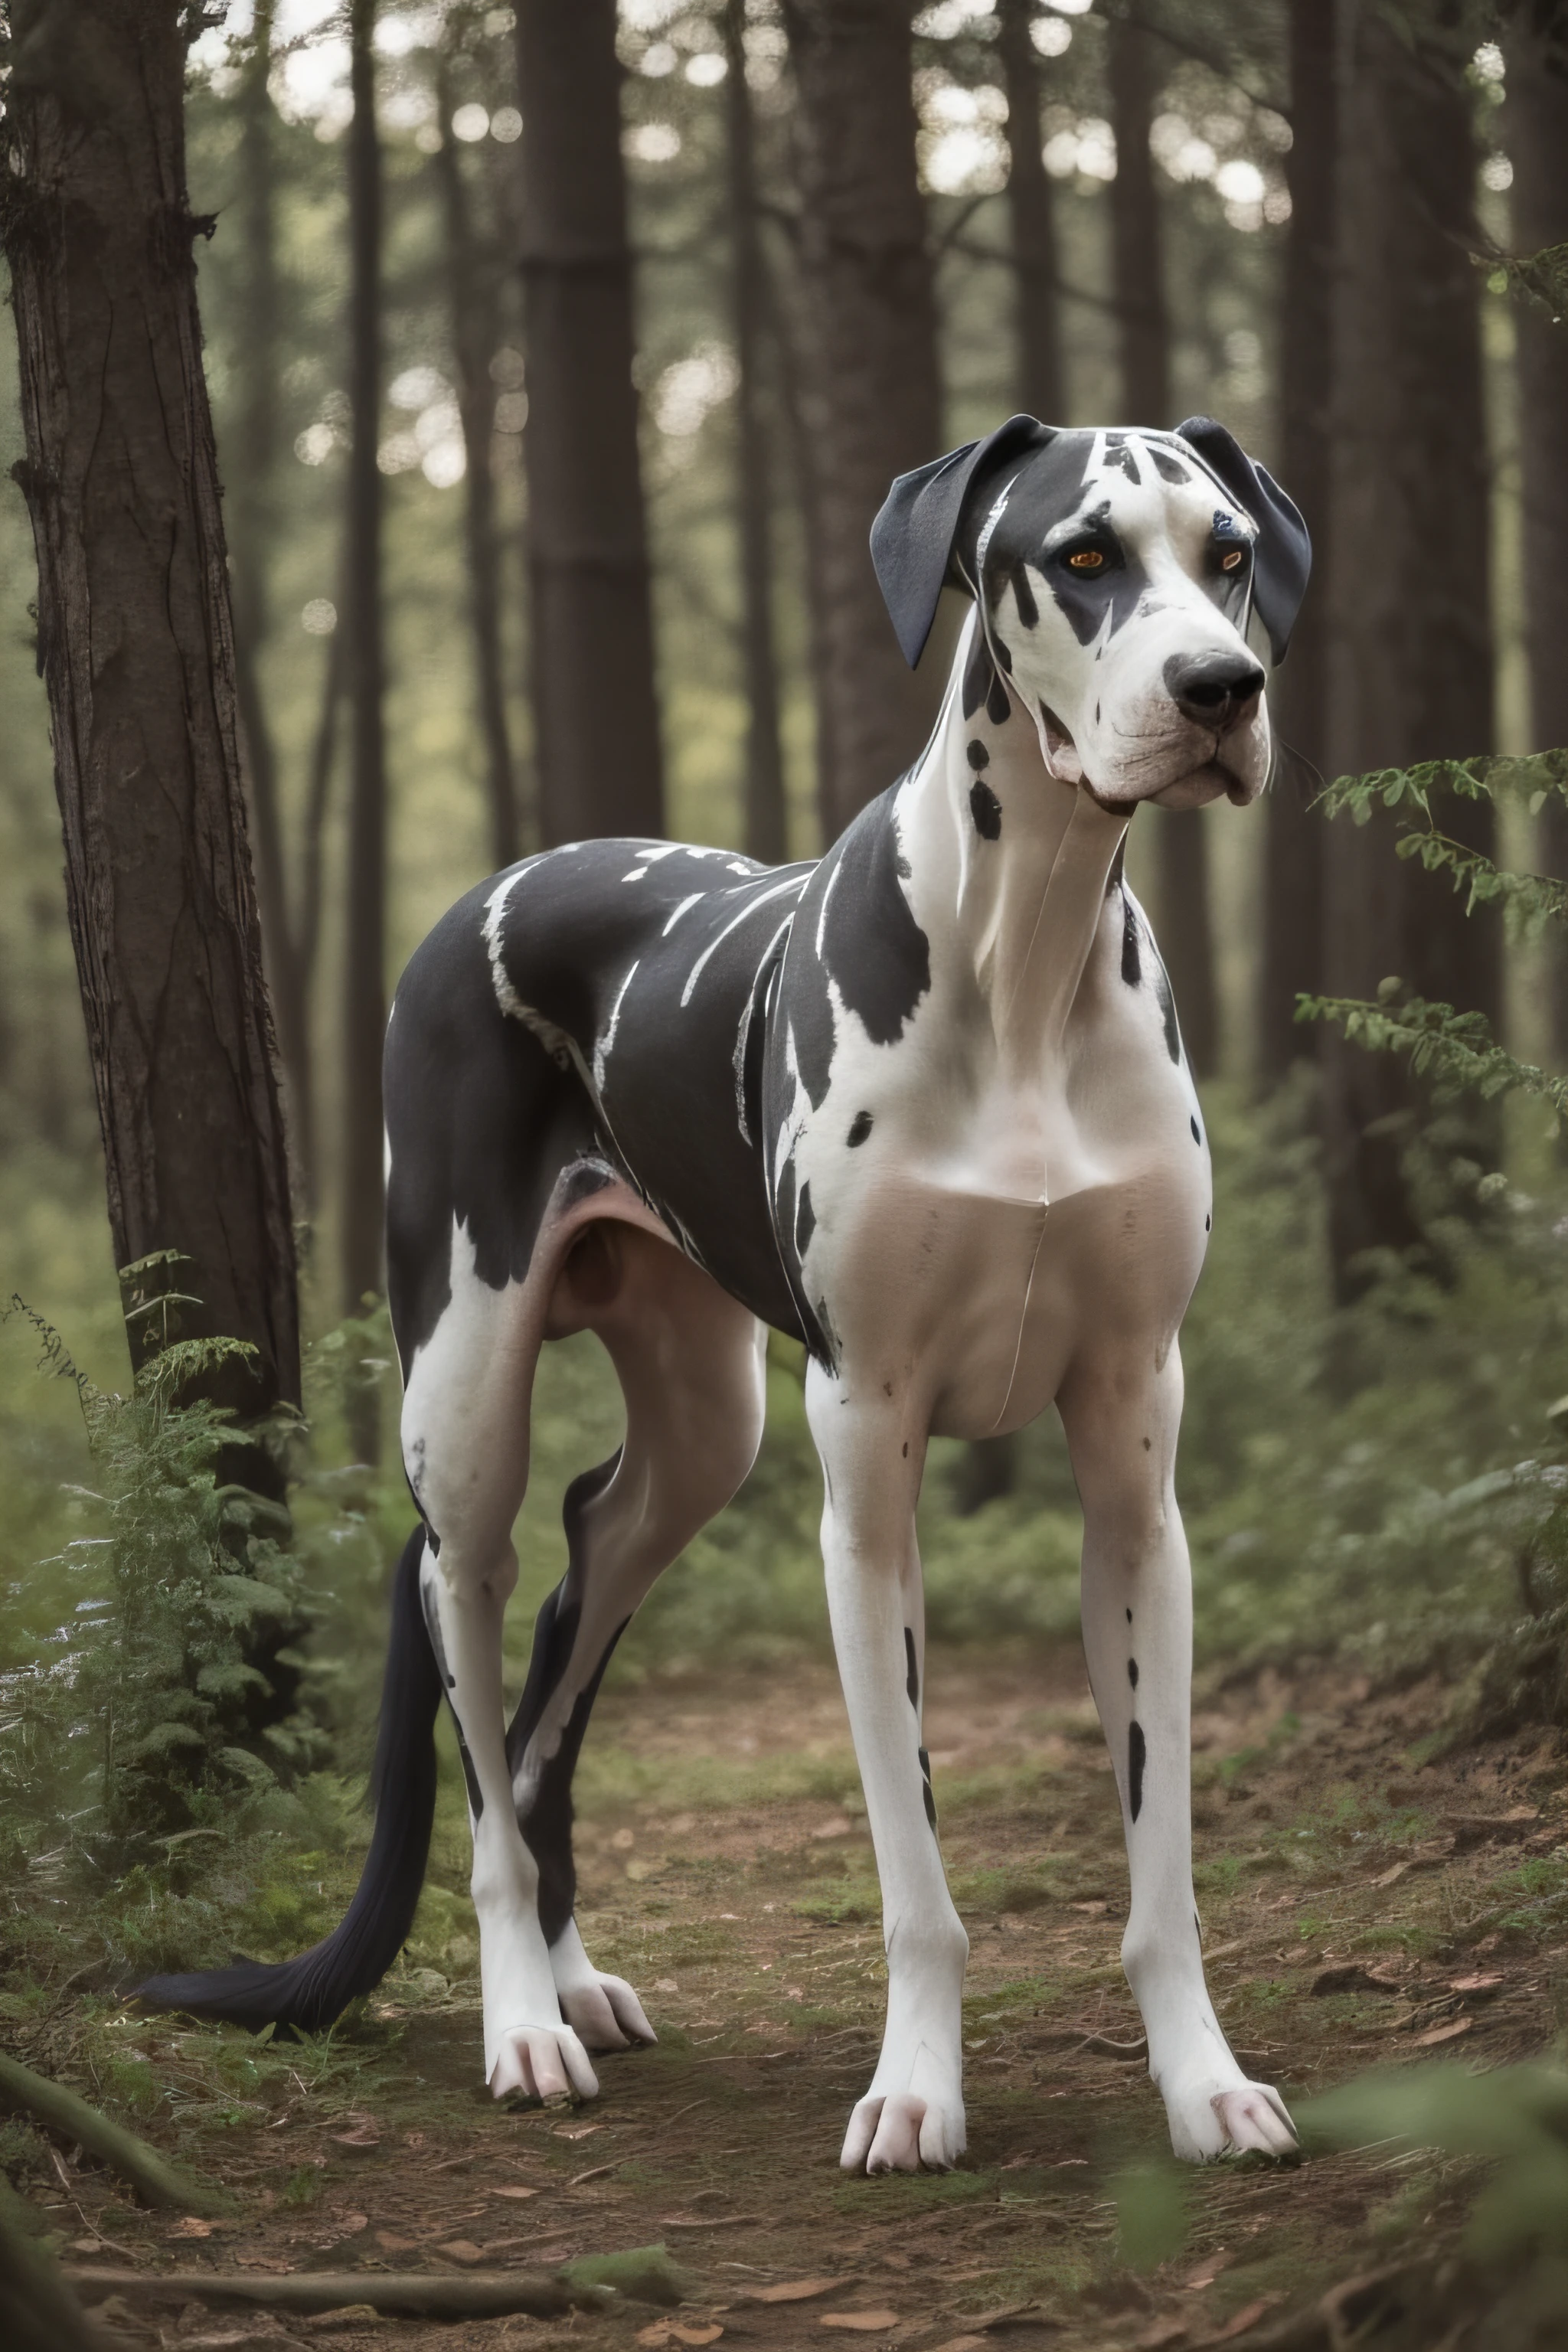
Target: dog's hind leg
column 465, row 1447
column 690, row 1365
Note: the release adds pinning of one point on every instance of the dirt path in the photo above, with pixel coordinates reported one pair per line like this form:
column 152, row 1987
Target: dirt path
column 1360, row 1906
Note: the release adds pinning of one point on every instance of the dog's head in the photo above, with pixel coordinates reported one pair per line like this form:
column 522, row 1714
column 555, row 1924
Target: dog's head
column 1116, row 575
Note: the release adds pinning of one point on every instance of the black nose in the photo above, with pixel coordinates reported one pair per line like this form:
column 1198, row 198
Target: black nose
column 1213, row 689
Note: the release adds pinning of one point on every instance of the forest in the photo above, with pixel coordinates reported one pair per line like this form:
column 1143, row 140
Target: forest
column 435, row 432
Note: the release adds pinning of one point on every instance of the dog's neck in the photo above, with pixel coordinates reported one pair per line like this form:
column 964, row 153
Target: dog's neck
column 1030, row 859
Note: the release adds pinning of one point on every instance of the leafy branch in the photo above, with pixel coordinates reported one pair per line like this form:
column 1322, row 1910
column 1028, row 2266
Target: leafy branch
column 1457, row 1049
column 1530, row 901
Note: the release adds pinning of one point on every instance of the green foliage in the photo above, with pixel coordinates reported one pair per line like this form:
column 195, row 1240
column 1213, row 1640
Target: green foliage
column 1517, row 2118
column 1542, row 277
column 1453, row 1049
column 146, row 1704
column 1150, row 2201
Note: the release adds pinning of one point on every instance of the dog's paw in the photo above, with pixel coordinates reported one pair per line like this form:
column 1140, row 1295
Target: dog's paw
column 541, row 2061
column 605, row 2013
column 1239, row 2118
column 903, row 2133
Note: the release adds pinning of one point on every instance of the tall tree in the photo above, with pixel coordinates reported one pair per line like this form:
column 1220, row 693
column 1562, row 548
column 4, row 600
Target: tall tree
column 1294, row 841
column 252, row 454
column 764, row 788
column 595, row 708
column 1536, row 127
column 1031, row 206
column 870, row 380
column 1409, row 603
column 1187, row 932
column 364, row 953
column 136, row 648
column 472, row 284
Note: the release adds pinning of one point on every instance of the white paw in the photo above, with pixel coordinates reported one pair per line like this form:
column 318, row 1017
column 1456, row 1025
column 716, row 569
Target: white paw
column 1207, row 2121
column 543, row 2062
column 605, row 2012
column 902, row 2129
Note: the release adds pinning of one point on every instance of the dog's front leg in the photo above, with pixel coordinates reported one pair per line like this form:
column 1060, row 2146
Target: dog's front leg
column 872, row 1460
column 1121, row 1412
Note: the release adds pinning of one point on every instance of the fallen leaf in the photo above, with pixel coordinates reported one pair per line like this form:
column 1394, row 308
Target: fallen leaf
column 84, row 2245
column 461, row 2249
column 1247, row 2316
column 362, row 2137
column 191, row 2225
column 1448, row 2033
column 1391, row 1878
column 792, row 2290
column 1092, row 1910
column 595, row 2172
column 351, row 2224
column 680, row 2331
column 860, row 2323
column 519, row 2193
column 1206, row 2272
column 1473, row 1984
column 665, row 1984
column 393, row 2244
column 962, row 2344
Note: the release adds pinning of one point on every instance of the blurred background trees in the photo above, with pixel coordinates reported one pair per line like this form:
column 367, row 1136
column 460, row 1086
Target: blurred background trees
column 559, row 357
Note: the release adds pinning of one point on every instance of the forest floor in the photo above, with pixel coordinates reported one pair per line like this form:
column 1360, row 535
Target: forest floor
column 1364, row 1902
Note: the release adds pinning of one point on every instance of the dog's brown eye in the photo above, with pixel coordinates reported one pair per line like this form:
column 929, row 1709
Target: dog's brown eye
column 1228, row 562
column 1086, row 559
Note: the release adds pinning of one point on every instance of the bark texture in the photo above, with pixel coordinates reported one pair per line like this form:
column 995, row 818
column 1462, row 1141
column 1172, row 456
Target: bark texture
column 472, row 289
column 1294, row 841
column 136, row 647
column 870, row 379
column 364, row 953
column 1411, row 653
column 1536, row 130
column 766, row 827
column 1185, row 930
column 595, row 710
column 1031, row 206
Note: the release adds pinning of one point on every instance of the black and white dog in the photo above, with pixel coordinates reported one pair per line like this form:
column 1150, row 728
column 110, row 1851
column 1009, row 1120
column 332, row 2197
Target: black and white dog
column 923, row 1105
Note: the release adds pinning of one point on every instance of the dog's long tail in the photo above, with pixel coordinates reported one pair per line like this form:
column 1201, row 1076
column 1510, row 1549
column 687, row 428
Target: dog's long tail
column 311, row 1991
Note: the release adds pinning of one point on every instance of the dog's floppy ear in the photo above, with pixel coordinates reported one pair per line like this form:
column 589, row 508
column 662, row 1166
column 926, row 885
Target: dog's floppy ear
column 917, row 524
column 1282, row 558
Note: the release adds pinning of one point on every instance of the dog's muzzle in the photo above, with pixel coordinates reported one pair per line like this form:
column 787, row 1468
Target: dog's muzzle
column 1214, row 691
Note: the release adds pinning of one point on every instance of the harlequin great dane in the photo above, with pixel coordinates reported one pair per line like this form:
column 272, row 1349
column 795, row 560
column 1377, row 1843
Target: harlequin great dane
column 923, row 1105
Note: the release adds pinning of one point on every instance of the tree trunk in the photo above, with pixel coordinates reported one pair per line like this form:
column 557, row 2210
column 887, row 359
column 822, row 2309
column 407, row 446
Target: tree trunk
column 364, row 985
column 1186, row 939
column 1408, row 605
column 595, row 706
column 1031, row 205
column 474, row 339
column 1294, row 841
column 766, row 825
column 1536, row 121
column 870, row 374
column 136, row 647
column 250, row 513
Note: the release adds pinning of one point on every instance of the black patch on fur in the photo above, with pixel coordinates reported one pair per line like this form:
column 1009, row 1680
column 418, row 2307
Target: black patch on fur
column 998, row 706
column 1169, row 468
column 1132, row 1671
column 1118, row 867
column 1119, row 454
column 926, row 1788
column 1137, row 1756
column 912, row 1671
column 1167, row 1008
column 1131, row 961
column 1208, row 1224
column 872, row 948
column 977, row 755
column 979, row 673
column 987, row 810
column 860, row 1127
column 547, row 1825
column 805, row 1222
column 1197, row 1132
